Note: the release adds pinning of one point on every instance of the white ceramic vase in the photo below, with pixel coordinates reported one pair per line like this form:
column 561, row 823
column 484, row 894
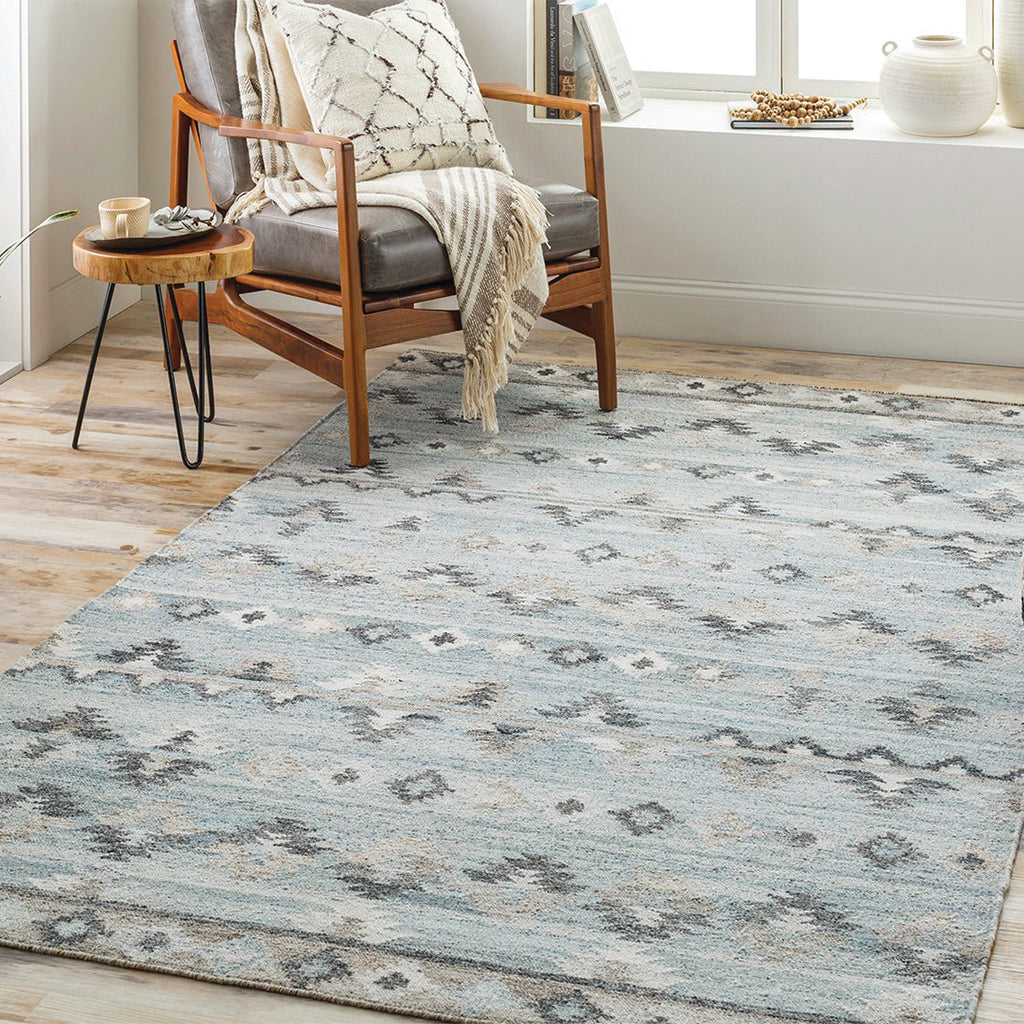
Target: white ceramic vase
column 1010, row 59
column 938, row 87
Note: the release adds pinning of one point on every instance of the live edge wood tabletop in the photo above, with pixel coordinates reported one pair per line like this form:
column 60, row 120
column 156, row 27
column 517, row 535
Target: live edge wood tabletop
column 226, row 253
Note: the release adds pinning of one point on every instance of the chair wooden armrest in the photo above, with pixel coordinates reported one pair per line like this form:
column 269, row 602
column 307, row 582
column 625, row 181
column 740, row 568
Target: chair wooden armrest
column 516, row 94
column 236, row 128
column 230, row 127
column 187, row 108
column 593, row 149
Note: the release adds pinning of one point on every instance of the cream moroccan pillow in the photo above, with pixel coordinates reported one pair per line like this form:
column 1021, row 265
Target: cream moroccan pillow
column 397, row 83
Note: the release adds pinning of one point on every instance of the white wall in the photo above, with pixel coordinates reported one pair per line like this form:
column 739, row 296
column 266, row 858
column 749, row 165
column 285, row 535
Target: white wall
column 840, row 244
column 81, row 146
column 157, row 84
column 11, row 331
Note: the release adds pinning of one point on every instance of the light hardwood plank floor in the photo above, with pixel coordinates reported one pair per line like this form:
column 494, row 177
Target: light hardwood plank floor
column 73, row 523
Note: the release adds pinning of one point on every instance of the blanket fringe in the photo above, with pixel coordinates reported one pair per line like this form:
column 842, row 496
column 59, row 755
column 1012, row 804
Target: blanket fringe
column 249, row 203
column 487, row 365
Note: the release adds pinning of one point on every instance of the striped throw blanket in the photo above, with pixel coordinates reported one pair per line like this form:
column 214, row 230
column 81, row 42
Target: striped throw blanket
column 493, row 227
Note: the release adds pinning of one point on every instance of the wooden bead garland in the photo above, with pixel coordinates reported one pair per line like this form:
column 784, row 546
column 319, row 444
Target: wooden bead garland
column 794, row 109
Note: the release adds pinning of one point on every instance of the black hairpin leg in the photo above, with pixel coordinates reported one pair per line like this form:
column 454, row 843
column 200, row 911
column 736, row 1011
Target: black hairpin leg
column 92, row 363
column 204, row 413
column 210, row 411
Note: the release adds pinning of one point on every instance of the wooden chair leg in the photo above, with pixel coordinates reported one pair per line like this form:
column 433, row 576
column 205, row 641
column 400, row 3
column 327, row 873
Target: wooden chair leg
column 597, row 322
column 603, row 326
column 181, row 130
column 356, row 396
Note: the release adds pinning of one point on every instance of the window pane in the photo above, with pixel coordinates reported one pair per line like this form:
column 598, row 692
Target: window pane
column 697, row 37
column 843, row 42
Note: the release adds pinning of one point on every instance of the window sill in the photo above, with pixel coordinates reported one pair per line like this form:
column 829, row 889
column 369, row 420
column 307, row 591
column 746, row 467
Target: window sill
column 872, row 125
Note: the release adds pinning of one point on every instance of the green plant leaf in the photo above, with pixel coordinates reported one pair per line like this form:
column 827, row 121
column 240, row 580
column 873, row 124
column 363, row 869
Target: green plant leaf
column 55, row 218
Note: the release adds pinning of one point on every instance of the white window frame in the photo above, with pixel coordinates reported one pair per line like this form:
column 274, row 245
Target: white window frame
column 778, row 34
column 767, row 76
column 979, row 33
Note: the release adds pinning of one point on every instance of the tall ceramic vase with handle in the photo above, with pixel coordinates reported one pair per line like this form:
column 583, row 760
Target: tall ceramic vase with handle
column 1010, row 59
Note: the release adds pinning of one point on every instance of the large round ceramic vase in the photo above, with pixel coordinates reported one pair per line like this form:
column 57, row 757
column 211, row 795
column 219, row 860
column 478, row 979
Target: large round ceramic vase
column 1010, row 59
column 938, row 87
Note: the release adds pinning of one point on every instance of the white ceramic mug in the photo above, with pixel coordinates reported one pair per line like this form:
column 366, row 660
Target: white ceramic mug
column 125, row 218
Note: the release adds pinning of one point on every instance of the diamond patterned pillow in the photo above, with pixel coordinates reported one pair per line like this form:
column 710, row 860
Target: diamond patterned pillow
column 397, row 83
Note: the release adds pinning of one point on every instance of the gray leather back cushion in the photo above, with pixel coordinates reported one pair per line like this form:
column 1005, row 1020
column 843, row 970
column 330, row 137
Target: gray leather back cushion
column 205, row 30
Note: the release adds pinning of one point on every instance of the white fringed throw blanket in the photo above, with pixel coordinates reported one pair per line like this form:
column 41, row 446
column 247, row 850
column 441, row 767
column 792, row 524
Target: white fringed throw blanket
column 492, row 226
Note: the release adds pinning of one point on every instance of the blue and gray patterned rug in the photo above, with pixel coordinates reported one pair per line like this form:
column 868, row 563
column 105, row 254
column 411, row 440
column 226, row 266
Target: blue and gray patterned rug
column 706, row 712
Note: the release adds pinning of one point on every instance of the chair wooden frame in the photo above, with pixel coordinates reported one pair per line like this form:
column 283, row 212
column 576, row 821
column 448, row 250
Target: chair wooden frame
column 581, row 290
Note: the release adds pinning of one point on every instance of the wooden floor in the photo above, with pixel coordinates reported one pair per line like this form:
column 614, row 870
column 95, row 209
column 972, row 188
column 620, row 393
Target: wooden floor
column 73, row 523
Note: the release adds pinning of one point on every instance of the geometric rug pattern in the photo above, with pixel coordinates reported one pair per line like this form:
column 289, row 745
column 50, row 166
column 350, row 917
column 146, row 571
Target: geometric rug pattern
column 709, row 711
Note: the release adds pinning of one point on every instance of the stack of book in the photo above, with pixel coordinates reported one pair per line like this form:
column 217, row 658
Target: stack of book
column 579, row 54
column 835, row 124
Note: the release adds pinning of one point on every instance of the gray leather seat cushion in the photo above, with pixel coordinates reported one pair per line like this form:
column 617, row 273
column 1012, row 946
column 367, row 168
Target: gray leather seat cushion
column 397, row 248
column 205, row 30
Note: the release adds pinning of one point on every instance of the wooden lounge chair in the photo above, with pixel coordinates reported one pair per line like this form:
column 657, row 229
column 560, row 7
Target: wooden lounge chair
column 375, row 264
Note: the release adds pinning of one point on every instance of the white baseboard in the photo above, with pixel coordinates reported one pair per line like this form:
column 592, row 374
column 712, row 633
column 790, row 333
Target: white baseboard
column 8, row 370
column 72, row 309
column 807, row 319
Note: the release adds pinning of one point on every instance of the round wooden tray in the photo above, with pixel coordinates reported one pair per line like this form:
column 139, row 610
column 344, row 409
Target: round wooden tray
column 225, row 253
column 159, row 237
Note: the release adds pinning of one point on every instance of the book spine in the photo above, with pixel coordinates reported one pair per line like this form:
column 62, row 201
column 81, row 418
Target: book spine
column 567, row 88
column 587, row 88
column 552, row 55
column 540, row 42
column 603, row 80
column 567, row 57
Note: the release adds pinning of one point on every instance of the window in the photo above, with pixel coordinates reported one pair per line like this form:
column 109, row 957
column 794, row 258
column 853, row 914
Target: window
column 724, row 45
column 734, row 46
column 829, row 47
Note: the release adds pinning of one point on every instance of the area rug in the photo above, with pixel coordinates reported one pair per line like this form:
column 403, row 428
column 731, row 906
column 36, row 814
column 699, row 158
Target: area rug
column 705, row 712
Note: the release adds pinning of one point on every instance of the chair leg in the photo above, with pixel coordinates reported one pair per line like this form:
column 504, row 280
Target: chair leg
column 356, row 395
column 603, row 326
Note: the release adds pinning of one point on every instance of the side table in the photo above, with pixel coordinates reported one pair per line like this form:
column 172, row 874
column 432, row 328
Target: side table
column 224, row 254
